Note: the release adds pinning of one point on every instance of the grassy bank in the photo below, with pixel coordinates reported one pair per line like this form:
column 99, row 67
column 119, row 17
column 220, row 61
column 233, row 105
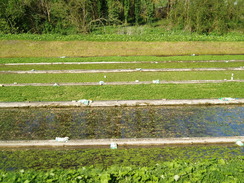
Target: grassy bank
column 122, row 59
column 120, row 76
column 19, row 48
column 123, row 92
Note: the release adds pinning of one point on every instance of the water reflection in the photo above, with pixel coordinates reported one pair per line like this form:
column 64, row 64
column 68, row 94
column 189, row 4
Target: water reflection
column 122, row 122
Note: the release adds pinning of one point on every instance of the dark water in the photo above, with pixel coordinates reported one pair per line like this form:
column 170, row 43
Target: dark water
column 121, row 122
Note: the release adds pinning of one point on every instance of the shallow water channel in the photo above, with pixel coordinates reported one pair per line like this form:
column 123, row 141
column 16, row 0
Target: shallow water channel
column 121, row 122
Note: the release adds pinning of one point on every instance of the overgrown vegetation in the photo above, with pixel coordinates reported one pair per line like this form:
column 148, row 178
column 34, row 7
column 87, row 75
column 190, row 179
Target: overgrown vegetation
column 71, row 17
column 138, row 33
column 128, row 166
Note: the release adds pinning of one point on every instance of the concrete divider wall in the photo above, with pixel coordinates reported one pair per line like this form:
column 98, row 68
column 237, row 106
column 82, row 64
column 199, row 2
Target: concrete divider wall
column 121, row 142
column 112, row 103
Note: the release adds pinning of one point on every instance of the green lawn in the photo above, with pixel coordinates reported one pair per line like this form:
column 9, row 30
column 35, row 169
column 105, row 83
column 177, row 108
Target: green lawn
column 123, row 76
column 122, row 92
column 122, row 59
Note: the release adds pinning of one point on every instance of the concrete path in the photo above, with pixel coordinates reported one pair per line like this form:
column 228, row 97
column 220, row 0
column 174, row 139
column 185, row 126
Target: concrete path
column 121, row 142
column 120, row 83
column 114, row 62
column 123, row 103
column 118, row 70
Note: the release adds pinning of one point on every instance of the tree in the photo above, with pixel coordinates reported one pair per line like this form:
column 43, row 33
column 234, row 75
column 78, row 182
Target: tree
column 137, row 11
column 126, row 10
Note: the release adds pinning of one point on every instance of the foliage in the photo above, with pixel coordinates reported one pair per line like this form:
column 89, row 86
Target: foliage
column 139, row 33
column 75, row 16
column 207, row 16
column 215, row 170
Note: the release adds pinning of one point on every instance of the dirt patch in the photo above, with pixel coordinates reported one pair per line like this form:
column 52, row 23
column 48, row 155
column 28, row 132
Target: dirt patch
column 91, row 48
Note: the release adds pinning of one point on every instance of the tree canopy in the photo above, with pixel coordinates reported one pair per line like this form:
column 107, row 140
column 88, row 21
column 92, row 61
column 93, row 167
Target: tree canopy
column 82, row 16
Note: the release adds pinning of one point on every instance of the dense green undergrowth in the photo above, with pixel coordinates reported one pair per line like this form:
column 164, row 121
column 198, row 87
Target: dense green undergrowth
column 209, row 170
column 122, row 92
column 158, row 36
column 123, row 59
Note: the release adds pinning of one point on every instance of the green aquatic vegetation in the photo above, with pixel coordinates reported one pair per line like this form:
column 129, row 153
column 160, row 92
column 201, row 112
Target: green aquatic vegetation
column 152, row 65
column 45, row 159
column 122, row 59
column 119, row 77
column 122, row 92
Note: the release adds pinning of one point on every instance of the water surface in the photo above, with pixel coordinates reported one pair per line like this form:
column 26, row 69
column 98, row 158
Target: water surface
column 121, row 122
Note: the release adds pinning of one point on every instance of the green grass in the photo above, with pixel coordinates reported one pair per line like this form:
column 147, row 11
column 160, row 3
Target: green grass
column 116, row 77
column 122, row 92
column 123, row 59
column 152, row 65
column 23, row 48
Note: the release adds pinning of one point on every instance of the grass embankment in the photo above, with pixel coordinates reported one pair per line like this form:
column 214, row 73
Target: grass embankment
column 121, row 76
column 36, row 50
column 152, row 65
column 14, row 48
column 121, row 59
column 123, row 92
